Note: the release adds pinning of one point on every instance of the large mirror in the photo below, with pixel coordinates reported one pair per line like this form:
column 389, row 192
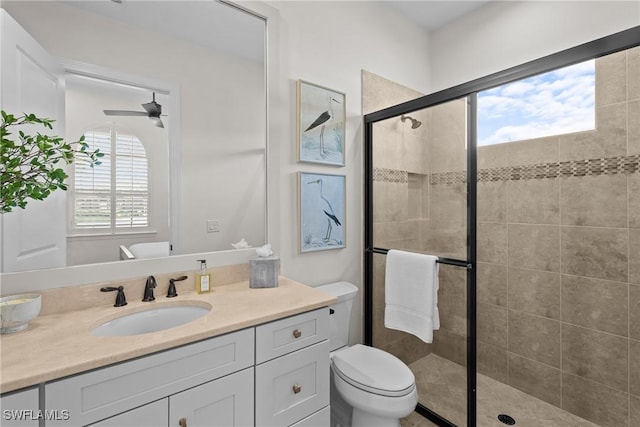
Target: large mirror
column 197, row 182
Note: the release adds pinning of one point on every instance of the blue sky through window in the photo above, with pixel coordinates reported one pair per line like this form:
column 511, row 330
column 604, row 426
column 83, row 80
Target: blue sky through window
column 553, row 103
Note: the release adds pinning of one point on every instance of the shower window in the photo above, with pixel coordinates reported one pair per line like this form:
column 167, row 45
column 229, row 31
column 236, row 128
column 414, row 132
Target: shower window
column 554, row 103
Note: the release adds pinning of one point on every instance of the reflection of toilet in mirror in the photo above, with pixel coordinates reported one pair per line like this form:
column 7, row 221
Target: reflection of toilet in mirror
column 145, row 250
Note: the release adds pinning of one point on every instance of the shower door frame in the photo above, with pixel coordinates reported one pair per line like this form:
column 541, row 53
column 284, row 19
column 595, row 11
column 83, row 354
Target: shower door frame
column 620, row 41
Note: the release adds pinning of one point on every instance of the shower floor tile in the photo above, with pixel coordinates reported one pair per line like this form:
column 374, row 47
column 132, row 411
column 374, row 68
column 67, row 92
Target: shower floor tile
column 442, row 387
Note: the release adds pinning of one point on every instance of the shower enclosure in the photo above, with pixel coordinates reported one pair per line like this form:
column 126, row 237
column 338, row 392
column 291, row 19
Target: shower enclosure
column 538, row 239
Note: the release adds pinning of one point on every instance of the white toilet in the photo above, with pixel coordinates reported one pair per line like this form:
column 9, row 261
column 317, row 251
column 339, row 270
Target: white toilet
column 377, row 387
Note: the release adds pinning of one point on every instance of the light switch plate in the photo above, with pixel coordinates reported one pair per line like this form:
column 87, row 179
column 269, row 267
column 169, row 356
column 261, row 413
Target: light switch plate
column 213, row 226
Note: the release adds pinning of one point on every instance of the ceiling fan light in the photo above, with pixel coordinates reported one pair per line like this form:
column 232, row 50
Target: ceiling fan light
column 156, row 121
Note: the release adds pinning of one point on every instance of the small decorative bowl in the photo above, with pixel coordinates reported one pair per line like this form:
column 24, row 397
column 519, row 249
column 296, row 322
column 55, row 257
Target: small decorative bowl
column 17, row 310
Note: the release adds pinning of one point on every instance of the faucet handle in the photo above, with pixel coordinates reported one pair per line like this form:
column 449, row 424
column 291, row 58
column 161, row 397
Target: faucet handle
column 121, row 300
column 172, row 286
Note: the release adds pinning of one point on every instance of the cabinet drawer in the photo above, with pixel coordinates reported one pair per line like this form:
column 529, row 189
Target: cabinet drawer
column 150, row 415
column 108, row 391
column 293, row 386
column 322, row 418
column 292, row 333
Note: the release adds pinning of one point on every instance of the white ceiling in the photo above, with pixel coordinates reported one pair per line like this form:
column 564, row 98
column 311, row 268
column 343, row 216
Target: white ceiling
column 216, row 25
column 208, row 23
column 432, row 14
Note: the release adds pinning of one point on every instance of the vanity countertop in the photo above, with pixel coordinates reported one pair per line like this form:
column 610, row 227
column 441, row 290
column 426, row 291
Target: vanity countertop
column 58, row 345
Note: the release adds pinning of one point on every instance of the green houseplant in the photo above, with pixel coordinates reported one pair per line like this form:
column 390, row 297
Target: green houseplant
column 30, row 166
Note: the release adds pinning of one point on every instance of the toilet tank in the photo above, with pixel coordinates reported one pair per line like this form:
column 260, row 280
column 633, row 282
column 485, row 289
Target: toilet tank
column 340, row 316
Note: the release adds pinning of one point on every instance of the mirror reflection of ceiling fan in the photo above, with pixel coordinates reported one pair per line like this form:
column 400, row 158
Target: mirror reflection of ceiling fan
column 153, row 110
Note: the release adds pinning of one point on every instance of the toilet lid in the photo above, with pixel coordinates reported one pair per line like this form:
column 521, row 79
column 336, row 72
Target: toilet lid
column 373, row 370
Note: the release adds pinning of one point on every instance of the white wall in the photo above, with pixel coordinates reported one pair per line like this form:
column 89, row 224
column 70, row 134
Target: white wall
column 504, row 34
column 329, row 43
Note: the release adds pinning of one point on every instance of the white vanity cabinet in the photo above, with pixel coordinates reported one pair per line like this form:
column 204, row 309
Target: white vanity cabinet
column 273, row 374
column 292, row 371
column 20, row 408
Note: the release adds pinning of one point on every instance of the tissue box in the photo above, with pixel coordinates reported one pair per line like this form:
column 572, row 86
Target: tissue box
column 264, row 272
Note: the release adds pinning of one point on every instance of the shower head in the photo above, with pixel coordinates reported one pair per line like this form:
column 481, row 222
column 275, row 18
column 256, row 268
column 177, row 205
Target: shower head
column 415, row 124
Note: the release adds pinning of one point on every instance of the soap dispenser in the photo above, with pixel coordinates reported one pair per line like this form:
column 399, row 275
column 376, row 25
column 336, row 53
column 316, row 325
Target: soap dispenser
column 203, row 279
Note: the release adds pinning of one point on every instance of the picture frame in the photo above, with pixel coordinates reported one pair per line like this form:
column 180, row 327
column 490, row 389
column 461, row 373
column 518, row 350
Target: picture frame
column 322, row 212
column 320, row 124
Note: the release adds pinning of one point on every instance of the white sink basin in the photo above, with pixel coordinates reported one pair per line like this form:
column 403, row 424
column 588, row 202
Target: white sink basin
column 151, row 320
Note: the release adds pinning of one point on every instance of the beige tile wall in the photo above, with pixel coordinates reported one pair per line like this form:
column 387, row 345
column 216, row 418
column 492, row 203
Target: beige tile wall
column 412, row 214
column 564, row 263
column 402, row 199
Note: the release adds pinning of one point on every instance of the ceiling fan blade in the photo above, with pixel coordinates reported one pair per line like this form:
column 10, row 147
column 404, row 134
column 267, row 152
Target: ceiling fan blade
column 157, row 122
column 124, row 113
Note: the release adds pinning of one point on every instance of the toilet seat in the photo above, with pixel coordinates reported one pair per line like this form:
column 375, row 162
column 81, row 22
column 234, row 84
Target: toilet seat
column 374, row 371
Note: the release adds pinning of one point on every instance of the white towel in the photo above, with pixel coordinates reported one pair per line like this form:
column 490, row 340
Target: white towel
column 411, row 294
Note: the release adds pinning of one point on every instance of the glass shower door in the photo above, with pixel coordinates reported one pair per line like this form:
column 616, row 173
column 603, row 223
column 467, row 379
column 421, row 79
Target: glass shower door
column 419, row 204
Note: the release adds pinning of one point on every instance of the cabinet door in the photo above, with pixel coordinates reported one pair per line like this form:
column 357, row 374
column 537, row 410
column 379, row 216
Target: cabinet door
column 20, row 408
column 154, row 414
column 293, row 386
column 226, row 402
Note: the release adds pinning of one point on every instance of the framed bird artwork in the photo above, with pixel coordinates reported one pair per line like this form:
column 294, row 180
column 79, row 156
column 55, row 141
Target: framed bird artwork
column 322, row 211
column 320, row 124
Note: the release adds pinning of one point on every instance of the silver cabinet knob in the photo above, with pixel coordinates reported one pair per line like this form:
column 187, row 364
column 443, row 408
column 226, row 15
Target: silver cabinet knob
column 296, row 388
column 297, row 333
column 182, row 422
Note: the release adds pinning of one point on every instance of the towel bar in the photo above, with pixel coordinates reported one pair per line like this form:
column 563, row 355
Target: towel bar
column 447, row 261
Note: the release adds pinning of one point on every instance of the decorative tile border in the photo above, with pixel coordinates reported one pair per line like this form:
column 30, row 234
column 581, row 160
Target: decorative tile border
column 448, row 178
column 574, row 168
column 390, row 175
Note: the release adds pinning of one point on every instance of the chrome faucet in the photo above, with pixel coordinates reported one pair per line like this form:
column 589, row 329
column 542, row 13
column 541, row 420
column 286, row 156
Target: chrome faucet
column 148, row 289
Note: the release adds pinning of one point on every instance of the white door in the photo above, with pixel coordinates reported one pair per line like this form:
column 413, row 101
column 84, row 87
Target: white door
column 32, row 82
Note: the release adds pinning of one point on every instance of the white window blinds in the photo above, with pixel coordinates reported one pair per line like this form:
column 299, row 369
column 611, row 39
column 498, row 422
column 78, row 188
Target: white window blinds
column 114, row 195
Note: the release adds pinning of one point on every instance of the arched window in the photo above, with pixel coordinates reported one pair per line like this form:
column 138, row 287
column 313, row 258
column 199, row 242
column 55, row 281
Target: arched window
column 112, row 197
